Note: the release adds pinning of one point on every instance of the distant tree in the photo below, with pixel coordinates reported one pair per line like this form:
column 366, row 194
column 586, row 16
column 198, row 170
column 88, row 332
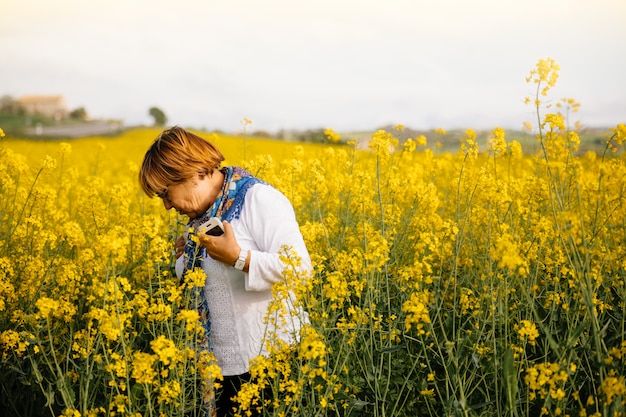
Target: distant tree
column 79, row 114
column 312, row 135
column 9, row 106
column 261, row 134
column 159, row 117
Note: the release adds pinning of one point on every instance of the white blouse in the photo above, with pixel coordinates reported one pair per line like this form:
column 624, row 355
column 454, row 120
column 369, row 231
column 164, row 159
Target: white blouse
column 238, row 301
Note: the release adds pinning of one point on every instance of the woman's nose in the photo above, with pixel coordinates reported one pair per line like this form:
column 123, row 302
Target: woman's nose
column 167, row 204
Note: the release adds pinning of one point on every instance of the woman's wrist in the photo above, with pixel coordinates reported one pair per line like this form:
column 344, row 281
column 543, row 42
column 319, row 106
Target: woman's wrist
column 242, row 262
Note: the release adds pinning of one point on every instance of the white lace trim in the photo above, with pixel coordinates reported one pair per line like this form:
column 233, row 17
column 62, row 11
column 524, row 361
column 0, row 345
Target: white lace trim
column 224, row 337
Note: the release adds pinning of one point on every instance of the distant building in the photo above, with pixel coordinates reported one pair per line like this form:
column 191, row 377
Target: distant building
column 50, row 106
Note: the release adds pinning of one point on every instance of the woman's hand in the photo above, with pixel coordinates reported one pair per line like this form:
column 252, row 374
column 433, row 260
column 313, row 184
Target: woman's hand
column 179, row 247
column 222, row 248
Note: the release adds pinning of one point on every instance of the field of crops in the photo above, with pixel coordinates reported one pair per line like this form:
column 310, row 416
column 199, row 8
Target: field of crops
column 488, row 281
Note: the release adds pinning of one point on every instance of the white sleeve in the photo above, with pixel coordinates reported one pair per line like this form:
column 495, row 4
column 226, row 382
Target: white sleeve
column 271, row 223
column 180, row 266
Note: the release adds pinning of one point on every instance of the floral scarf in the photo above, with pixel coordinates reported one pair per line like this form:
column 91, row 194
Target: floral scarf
column 227, row 206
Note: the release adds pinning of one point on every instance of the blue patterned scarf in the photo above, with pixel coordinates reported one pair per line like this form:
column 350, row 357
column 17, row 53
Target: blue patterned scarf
column 227, row 206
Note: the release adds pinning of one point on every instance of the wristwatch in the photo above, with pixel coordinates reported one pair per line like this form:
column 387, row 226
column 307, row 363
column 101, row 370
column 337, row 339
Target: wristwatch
column 241, row 261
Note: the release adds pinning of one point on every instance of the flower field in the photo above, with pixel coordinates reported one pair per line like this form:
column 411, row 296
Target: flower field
column 483, row 282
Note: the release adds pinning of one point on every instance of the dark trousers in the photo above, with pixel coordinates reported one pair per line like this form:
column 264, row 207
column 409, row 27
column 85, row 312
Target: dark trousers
column 229, row 388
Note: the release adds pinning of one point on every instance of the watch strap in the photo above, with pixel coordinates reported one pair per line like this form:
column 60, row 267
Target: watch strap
column 240, row 263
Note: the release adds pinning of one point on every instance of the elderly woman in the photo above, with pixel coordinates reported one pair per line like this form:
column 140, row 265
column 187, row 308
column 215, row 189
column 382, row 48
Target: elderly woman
column 243, row 262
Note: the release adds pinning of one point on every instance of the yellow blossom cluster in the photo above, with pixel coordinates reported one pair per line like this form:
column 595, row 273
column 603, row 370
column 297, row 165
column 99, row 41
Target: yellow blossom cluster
column 416, row 308
column 527, row 332
column 546, row 379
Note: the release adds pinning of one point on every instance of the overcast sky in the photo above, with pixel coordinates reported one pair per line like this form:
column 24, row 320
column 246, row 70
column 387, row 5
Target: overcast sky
column 341, row 64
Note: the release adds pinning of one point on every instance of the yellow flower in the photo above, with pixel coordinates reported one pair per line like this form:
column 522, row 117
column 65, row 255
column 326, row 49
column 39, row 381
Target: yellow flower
column 545, row 72
column 409, row 145
column 168, row 392
column 469, row 147
column 110, row 325
column 208, row 368
column 117, row 365
column 66, row 148
column 311, row 346
column 71, row 412
column 336, row 288
column 331, row 135
column 468, row 300
column 516, row 150
column 528, row 127
column 383, row 143
column 417, row 311
column 73, row 234
column 497, row 141
column 507, row 253
column 11, row 340
column 528, row 332
column 159, row 312
column 191, row 320
column 48, row 163
column 546, row 379
column 47, row 306
column 166, row 350
column 613, row 387
column 555, row 121
column 143, row 370
column 195, row 278
column 2, row 133
column 617, row 138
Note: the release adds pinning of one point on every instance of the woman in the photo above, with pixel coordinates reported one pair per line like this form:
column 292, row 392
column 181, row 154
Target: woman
column 243, row 263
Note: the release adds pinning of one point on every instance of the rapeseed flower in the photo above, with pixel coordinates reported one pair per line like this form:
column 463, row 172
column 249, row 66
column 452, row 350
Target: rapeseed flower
column 311, row 346
column 409, row 145
column 166, row 351
column 47, row 306
column 416, row 308
column 332, row 136
column 169, row 393
column 547, row 380
column 469, row 146
column 614, row 389
column 383, row 143
column 545, row 72
column 10, row 340
column 497, row 142
column 144, row 367
column 507, row 254
column 117, row 365
column 195, row 278
column 528, row 332
column 191, row 320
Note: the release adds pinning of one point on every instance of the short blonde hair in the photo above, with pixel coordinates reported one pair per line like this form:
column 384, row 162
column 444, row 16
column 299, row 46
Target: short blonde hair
column 176, row 156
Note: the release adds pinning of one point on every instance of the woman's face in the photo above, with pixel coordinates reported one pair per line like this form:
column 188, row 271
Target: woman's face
column 192, row 197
